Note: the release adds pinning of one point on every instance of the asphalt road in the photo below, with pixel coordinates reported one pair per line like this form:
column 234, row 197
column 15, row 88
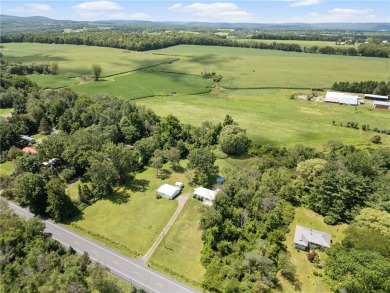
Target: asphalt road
column 124, row 267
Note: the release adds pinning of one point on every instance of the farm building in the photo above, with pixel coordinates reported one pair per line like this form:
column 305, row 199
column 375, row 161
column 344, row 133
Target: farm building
column 27, row 138
column 342, row 98
column 376, row 97
column 168, row 191
column 304, row 237
column 381, row 105
column 205, row 194
column 30, row 150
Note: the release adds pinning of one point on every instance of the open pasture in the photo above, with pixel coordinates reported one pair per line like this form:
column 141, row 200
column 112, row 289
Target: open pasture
column 74, row 60
column 254, row 68
column 146, row 83
column 271, row 117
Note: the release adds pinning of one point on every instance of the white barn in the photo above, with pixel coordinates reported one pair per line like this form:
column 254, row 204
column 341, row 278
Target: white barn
column 342, row 98
column 205, row 194
column 168, row 191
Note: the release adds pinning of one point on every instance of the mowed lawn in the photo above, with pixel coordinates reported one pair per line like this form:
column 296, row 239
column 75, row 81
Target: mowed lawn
column 271, row 117
column 179, row 256
column 132, row 221
column 254, row 68
column 75, row 61
column 6, row 168
column 305, row 269
column 146, row 83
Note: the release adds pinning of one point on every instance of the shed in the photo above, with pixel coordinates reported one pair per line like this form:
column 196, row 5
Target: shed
column 205, row 194
column 304, row 237
column 376, row 97
column 179, row 185
column 381, row 105
column 168, row 191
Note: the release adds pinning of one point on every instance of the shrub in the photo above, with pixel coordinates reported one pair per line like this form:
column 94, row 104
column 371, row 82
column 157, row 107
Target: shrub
column 158, row 196
column 311, row 256
column 329, row 220
column 376, row 139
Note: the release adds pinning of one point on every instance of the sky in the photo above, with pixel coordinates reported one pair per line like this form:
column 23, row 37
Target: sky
column 239, row 11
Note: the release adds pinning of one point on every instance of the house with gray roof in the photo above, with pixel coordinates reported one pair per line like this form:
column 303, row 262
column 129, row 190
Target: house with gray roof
column 304, row 237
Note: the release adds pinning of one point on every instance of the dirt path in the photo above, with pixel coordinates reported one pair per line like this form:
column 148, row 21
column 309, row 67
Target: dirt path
column 182, row 199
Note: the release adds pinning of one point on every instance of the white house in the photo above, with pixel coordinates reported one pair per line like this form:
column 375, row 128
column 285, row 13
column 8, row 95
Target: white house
column 304, row 237
column 342, row 98
column 168, row 191
column 205, row 194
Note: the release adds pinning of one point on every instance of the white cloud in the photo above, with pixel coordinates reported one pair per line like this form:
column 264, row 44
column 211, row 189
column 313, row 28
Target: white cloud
column 31, row 9
column 218, row 11
column 107, row 10
column 338, row 15
column 304, row 3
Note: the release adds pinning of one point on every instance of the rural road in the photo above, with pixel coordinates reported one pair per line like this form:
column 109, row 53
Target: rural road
column 124, row 267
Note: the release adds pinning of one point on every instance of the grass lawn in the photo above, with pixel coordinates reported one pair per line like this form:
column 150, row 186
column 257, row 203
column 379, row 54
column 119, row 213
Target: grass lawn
column 6, row 111
column 54, row 81
column 271, row 117
column 131, row 220
column 254, row 68
column 146, row 83
column 6, row 168
column 305, row 269
column 179, row 257
column 73, row 191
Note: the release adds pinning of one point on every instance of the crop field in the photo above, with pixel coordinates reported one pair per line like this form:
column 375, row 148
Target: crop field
column 254, row 68
column 305, row 269
column 74, row 60
column 146, row 83
column 179, row 255
column 271, row 117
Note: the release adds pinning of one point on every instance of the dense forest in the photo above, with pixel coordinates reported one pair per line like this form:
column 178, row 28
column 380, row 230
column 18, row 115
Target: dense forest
column 33, row 262
column 144, row 42
column 105, row 141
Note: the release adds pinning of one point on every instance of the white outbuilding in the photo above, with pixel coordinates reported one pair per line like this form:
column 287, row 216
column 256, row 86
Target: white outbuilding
column 342, row 98
column 168, row 191
column 205, row 194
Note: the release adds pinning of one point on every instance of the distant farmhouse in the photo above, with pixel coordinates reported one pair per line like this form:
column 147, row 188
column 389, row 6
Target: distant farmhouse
column 342, row 98
column 381, row 105
column 304, row 237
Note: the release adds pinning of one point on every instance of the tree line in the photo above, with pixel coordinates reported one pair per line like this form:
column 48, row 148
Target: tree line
column 366, row 87
column 145, row 42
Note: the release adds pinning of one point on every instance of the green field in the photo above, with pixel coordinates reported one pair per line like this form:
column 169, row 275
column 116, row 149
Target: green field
column 131, row 221
column 6, row 168
column 146, row 83
column 179, row 255
column 309, row 282
column 271, row 117
column 254, row 68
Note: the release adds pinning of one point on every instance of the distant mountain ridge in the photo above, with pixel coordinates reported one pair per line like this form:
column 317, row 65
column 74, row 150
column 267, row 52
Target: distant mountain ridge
column 15, row 24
